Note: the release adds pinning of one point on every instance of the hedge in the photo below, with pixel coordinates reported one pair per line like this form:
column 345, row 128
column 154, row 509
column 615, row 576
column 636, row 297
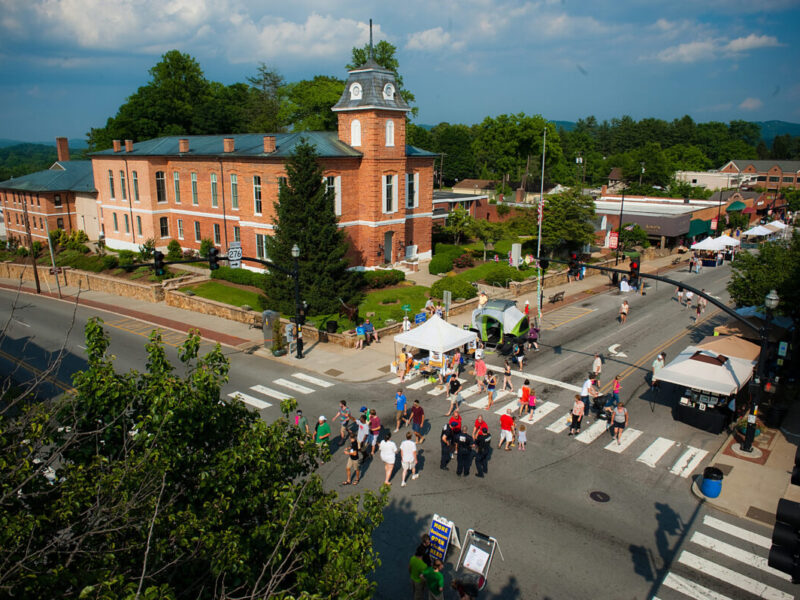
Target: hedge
column 500, row 275
column 383, row 278
column 240, row 276
column 93, row 263
column 460, row 288
column 440, row 263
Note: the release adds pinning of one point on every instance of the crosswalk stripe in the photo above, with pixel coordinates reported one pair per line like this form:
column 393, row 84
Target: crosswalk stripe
column 259, row 404
column 437, row 390
column 561, row 424
column 688, row 462
column 545, row 380
column 482, row 403
column 744, row 534
column 691, row 589
column 418, row 384
column 735, row 553
column 512, row 405
column 293, row 386
column 655, row 451
column 712, row 569
column 269, row 392
column 597, row 429
column 314, row 380
column 540, row 413
column 470, row 391
column 627, row 437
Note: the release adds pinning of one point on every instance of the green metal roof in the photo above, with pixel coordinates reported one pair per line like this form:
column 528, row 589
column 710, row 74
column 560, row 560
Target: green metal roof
column 327, row 143
column 738, row 205
column 63, row 176
column 414, row 151
column 699, row 227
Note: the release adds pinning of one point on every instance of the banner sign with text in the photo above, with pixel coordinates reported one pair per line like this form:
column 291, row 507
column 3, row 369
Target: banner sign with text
column 440, row 532
column 613, row 240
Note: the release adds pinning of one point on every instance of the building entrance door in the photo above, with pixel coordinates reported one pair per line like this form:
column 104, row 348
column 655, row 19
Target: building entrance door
column 388, row 237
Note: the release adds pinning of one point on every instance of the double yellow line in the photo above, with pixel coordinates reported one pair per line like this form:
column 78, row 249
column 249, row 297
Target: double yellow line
column 37, row 372
column 635, row 366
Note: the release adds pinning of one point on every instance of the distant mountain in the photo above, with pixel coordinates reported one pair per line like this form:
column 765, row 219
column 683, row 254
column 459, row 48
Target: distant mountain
column 565, row 125
column 770, row 129
column 74, row 143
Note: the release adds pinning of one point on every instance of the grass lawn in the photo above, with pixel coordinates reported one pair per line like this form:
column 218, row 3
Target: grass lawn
column 214, row 290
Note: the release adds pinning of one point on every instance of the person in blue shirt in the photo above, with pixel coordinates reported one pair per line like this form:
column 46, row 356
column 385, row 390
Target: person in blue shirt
column 360, row 336
column 370, row 332
column 400, row 404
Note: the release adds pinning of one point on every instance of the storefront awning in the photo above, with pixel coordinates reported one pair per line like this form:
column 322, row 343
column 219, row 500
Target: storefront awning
column 738, row 205
column 699, row 227
column 750, row 210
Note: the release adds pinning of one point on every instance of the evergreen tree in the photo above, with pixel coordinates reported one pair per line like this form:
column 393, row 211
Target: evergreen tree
column 305, row 216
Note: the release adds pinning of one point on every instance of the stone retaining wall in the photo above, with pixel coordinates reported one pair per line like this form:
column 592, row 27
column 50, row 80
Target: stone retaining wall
column 210, row 307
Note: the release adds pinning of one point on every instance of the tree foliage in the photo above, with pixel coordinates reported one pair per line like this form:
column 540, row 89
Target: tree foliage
column 384, row 53
column 309, row 103
column 305, row 216
column 458, row 224
column 567, row 221
column 147, row 483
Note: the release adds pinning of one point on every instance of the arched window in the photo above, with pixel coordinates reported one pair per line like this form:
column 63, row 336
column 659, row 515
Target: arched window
column 355, row 133
column 390, row 133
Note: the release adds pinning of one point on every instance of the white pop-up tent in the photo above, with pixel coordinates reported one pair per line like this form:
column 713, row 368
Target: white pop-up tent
column 728, row 240
column 435, row 335
column 709, row 244
column 759, row 231
column 704, row 369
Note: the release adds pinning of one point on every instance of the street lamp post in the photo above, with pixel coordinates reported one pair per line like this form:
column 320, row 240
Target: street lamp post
column 771, row 303
column 619, row 229
column 296, row 276
column 540, row 209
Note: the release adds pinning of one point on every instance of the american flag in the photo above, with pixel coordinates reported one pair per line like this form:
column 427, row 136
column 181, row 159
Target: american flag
column 630, row 227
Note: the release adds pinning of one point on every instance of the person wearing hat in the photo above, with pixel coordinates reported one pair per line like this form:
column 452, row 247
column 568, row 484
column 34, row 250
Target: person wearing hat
column 323, row 433
column 406, row 324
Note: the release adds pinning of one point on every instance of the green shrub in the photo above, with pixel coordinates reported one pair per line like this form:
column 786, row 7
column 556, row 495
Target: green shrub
column 147, row 249
column 381, row 279
column 22, row 251
column 389, row 300
column 503, row 210
column 500, row 274
column 109, row 261
column 126, row 258
column 240, row 276
column 174, row 251
column 459, row 287
column 3, row 244
column 37, row 248
column 440, row 263
column 205, row 246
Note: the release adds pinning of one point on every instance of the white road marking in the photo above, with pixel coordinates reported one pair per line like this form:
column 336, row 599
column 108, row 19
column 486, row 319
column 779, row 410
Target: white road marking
column 514, row 406
column 561, row 424
column 259, row 404
column 269, row 392
column 437, row 390
column 691, row 589
column 627, row 437
column 293, row 386
column 744, row 534
column 470, row 391
column 482, row 403
column 735, row 553
column 315, row 380
column 597, row 429
column 20, row 322
column 712, row 569
column 688, row 462
column 418, row 384
column 545, row 380
column 655, row 451
column 540, row 413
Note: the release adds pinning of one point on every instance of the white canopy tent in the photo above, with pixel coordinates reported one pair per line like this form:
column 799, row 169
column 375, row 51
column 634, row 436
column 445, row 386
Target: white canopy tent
column 758, row 231
column 706, row 370
column 776, row 225
column 728, row 240
column 709, row 244
column 435, row 335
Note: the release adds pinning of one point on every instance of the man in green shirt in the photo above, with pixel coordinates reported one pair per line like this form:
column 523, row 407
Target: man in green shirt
column 434, row 579
column 416, row 566
column 302, row 422
column 323, row 435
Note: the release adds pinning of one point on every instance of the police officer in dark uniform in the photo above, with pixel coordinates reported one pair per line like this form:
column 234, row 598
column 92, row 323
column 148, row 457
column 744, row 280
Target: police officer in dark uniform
column 483, row 442
column 463, row 452
column 446, row 440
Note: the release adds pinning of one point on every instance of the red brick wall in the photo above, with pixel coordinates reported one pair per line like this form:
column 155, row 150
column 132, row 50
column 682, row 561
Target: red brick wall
column 42, row 213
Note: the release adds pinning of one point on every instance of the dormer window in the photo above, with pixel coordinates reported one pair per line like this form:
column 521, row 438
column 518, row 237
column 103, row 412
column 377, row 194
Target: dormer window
column 355, row 91
column 388, row 92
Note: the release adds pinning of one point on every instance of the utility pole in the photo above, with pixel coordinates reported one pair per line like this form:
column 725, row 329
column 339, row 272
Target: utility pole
column 30, row 243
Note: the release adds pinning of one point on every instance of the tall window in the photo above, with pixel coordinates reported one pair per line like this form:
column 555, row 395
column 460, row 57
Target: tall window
column 111, row 183
column 282, row 181
column 127, row 223
column 257, row 193
column 176, row 184
column 334, row 185
column 57, row 200
column 412, row 190
column 135, row 178
column 216, row 234
column 60, row 223
column 161, row 187
column 261, row 246
column 194, row 189
column 197, row 231
column 122, row 190
column 180, row 229
column 214, row 201
column 234, row 191
column 390, row 133
column 237, row 234
column 116, row 224
column 389, row 193
column 138, row 224
column 355, row 132
column 163, row 224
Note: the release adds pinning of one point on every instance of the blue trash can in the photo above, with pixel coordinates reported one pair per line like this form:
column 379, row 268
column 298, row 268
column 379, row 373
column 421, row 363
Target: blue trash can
column 711, row 486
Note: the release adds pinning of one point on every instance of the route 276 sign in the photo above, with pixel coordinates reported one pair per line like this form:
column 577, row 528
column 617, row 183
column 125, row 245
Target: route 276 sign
column 235, row 255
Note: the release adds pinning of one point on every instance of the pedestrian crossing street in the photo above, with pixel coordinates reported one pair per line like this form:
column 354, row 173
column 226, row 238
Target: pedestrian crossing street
column 722, row 561
column 300, row 385
column 661, row 453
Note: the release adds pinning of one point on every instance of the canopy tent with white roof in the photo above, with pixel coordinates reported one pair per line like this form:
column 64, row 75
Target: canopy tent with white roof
column 709, row 244
column 728, row 240
column 709, row 371
column 776, row 225
column 758, row 231
column 436, row 335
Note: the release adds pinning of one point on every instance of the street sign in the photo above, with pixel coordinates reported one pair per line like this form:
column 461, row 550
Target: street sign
column 448, row 300
column 613, row 240
column 235, row 255
column 405, row 307
column 714, row 224
column 419, row 318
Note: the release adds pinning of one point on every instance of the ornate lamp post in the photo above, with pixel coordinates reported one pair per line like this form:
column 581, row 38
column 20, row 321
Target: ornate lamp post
column 296, row 276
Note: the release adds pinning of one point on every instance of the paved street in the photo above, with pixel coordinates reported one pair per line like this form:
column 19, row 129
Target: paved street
column 648, row 540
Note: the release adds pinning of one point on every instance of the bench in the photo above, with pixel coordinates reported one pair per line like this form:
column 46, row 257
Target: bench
column 556, row 297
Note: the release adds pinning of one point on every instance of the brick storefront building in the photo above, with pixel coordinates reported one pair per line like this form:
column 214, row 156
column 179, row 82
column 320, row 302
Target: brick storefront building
column 224, row 188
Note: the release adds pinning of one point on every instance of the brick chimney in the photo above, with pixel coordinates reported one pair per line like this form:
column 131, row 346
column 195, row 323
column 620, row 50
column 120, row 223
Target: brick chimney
column 269, row 144
column 62, row 148
column 227, row 145
column 117, row 145
column 128, row 145
column 183, row 145
column 604, row 190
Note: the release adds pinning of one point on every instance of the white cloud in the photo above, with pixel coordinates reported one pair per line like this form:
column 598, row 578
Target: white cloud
column 711, row 48
column 432, row 39
column 751, row 42
column 688, row 53
column 751, row 104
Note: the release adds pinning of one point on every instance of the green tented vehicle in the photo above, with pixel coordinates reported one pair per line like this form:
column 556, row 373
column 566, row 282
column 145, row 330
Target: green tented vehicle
column 500, row 322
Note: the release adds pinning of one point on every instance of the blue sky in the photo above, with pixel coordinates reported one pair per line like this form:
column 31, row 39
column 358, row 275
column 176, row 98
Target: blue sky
column 67, row 65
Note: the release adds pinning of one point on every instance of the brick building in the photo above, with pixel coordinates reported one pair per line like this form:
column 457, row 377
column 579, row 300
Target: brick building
column 772, row 175
column 223, row 188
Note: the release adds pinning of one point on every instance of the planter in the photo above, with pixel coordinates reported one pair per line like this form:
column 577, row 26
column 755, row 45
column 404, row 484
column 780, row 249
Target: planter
column 331, row 326
column 279, row 352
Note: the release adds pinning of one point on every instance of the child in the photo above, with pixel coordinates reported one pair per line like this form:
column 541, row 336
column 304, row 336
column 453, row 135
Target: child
column 532, row 402
column 524, row 397
column 522, row 437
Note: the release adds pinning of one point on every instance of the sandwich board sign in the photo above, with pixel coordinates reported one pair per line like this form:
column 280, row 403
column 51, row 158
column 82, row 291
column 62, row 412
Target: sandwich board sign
column 442, row 532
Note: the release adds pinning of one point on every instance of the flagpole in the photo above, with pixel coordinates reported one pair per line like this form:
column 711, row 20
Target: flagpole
column 539, row 238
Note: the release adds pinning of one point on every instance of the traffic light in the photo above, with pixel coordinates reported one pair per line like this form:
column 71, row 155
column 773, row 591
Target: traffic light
column 213, row 259
column 574, row 268
column 158, row 263
column 634, row 274
column 544, row 264
column 785, row 552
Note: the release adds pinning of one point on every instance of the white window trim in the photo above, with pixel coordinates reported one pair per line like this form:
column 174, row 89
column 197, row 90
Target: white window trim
column 414, row 178
column 260, row 200
column 394, row 193
column 180, row 229
column 214, row 190
column 195, row 195
column 234, row 197
column 163, row 237
column 355, row 132
column 198, row 235
column 176, row 186
column 389, row 133
column 217, row 233
column 337, row 203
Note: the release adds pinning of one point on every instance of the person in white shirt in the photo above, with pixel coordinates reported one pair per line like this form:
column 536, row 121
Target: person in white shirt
column 388, row 452
column 597, row 365
column 408, row 458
